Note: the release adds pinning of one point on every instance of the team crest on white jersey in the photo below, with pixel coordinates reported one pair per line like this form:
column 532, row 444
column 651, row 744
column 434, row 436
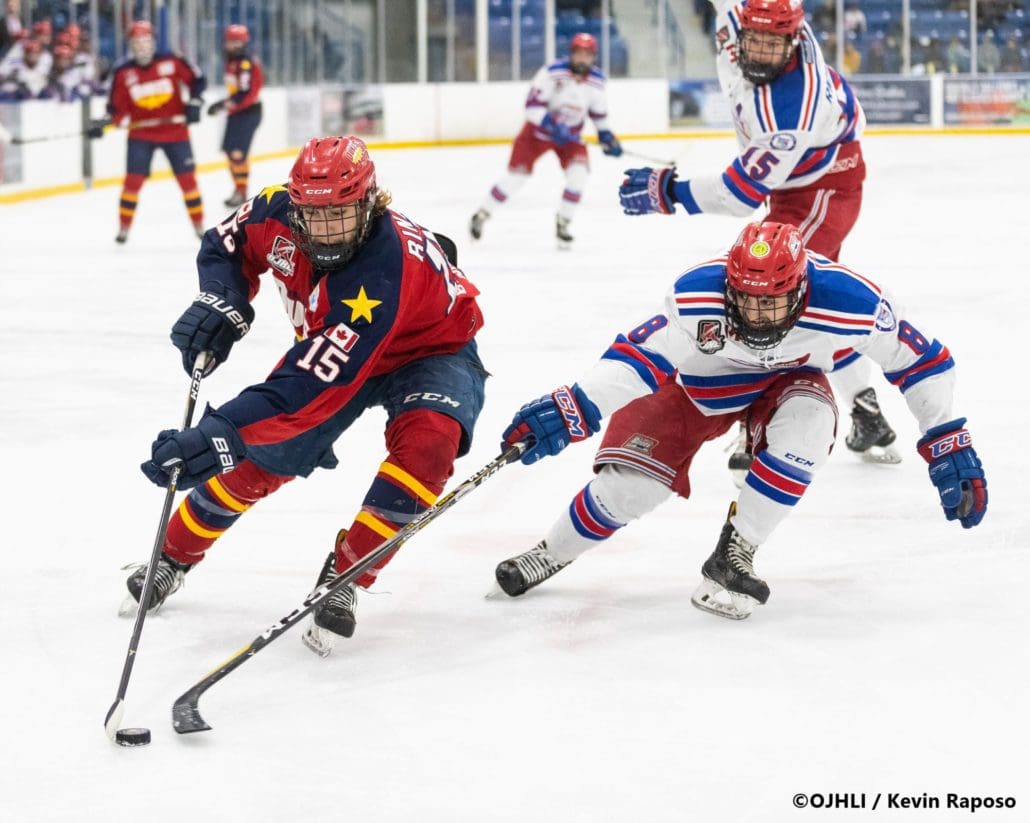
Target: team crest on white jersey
column 710, row 337
column 280, row 257
column 885, row 319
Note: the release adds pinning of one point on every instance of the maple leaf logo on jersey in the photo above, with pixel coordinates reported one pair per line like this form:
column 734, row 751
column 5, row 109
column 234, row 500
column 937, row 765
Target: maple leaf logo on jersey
column 710, row 338
column 280, row 257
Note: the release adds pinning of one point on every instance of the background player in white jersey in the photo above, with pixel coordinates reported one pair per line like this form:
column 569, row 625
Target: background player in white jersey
column 798, row 126
column 749, row 336
column 562, row 96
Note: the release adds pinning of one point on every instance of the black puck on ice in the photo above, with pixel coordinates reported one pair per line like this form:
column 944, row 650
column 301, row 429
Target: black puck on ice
column 132, row 737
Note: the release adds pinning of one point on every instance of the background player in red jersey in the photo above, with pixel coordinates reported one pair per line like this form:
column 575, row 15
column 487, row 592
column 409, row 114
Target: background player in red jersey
column 243, row 81
column 382, row 317
column 147, row 91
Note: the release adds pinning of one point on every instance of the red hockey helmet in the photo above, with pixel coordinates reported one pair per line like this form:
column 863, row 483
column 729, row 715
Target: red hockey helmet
column 43, row 29
column 583, row 41
column 140, row 28
column 768, row 37
column 237, row 32
column 333, row 194
column 766, row 283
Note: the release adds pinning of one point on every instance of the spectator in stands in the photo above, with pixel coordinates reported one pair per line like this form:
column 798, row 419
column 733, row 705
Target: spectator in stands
column 27, row 77
column 824, row 16
column 1013, row 57
column 957, row 56
column 67, row 81
column 10, row 28
column 855, row 23
column 876, row 56
column 852, row 63
column 933, row 56
column 42, row 33
column 988, row 56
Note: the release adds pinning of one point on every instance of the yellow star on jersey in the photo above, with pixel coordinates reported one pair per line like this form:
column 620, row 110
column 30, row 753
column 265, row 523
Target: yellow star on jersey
column 268, row 191
column 361, row 306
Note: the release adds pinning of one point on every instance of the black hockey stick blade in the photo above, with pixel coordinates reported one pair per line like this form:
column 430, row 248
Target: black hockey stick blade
column 186, row 717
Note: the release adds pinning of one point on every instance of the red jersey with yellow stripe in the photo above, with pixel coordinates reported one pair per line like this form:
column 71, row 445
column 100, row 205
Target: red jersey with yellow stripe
column 243, row 81
column 155, row 92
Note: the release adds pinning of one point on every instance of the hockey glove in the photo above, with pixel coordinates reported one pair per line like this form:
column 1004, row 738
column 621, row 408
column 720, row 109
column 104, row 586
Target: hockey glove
column 96, row 128
column 611, row 144
column 956, row 471
column 213, row 323
column 216, row 107
column 556, row 130
column 646, row 191
column 551, row 422
column 212, row 447
column 193, row 110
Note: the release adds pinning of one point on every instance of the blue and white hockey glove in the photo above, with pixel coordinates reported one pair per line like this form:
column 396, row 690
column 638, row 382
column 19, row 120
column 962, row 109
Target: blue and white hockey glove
column 551, row 422
column 556, row 130
column 213, row 323
column 611, row 144
column 648, row 191
column 956, row 471
column 211, row 447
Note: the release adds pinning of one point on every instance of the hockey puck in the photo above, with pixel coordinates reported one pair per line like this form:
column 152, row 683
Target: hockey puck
column 132, row 737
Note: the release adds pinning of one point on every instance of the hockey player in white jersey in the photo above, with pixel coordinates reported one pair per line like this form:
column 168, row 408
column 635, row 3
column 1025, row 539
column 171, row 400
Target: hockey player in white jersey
column 798, row 127
column 563, row 95
column 746, row 337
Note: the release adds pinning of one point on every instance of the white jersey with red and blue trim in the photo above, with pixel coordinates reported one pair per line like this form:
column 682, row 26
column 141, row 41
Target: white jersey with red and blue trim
column 789, row 131
column 569, row 98
column 845, row 315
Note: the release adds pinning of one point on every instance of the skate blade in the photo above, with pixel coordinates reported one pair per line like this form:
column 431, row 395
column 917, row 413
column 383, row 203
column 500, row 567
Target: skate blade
column 564, row 245
column 712, row 598
column 881, row 455
column 128, row 607
column 738, row 476
column 319, row 640
column 497, row 593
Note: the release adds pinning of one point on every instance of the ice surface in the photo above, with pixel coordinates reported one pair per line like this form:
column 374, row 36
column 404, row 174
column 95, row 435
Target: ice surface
column 891, row 656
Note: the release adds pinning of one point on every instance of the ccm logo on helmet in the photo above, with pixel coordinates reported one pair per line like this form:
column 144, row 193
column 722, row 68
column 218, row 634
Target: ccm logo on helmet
column 318, row 191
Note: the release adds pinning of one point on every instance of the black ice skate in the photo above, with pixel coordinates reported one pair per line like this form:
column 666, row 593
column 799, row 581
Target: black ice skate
column 476, row 223
column 168, row 579
column 334, row 616
column 730, row 588
column 235, row 199
column 524, row 571
column 561, row 230
column 871, row 435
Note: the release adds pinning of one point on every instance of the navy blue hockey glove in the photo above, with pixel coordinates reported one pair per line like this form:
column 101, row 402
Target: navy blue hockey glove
column 557, row 131
column 551, row 422
column 216, row 107
column 647, row 191
column 193, row 110
column 611, row 144
column 96, row 128
column 213, row 323
column 211, row 447
column 956, row 471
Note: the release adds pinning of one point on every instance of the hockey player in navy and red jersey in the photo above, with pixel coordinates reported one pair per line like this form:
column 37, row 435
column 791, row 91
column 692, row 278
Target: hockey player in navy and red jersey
column 749, row 336
column 382, row 318
column 798, row 127
column 243, row 81
column 148, row 88
column 563, row 95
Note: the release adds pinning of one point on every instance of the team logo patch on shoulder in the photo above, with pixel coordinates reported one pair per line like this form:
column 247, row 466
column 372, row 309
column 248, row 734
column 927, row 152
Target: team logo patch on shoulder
column 710, row 337
column 783, row 141
column 885, row 319
column 640, row 443
column 280, row 257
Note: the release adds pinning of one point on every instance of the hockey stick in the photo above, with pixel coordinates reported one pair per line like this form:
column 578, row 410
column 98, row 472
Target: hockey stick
column 114, row 714
column 648, row 159
column 136, row 124
column 186, row 713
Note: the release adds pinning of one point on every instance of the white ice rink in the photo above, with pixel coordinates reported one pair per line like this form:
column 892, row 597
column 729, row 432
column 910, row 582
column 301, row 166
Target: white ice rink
column 891, row 657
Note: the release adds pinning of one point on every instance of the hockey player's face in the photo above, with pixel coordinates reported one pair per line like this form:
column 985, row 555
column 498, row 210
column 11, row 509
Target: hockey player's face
column 331, row 225
column 142, row 49
column 764, row 53
column 235, row 48
column 580, row 60
column 764, row 311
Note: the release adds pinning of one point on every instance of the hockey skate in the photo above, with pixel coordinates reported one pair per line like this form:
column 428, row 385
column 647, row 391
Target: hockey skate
column 334, row 616
column 199, row 231
column 123, row 235
column 561, row 230
column 476, row 223
column 237, row 198
column 740, row 457
column 524, row 571
column 168, row 579
column 730, row 588
column 871, row 435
